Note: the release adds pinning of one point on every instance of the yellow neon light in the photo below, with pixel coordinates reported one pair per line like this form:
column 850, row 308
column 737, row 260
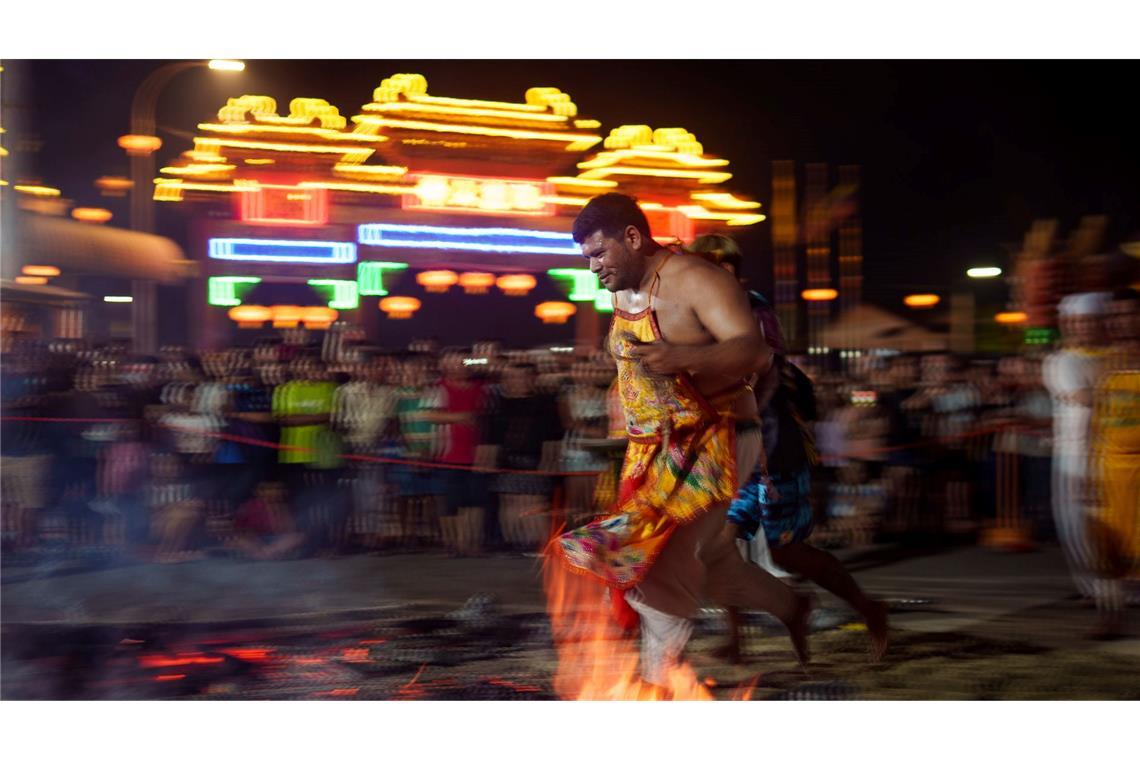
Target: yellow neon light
column 452, row 111
column 195, row 170
column 39, row 190
column 260, row 161
column 467, row 103
column 25, row 280
column 205, row 156
column 179, row 184
column 562, row 200
column 579, row 182
column 167, row 193
column 3, row 183
column 331, row 134
column 283, row 147
column 359, row 187
column 385, row 171
column 704, row 177
column 587, row 124
column 725, row 201
column 734, row 218
column 3, row 151
column 612, row 157
column 576, row 141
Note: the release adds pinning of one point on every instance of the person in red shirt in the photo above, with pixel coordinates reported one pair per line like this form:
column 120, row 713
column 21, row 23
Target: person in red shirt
column 461, row 400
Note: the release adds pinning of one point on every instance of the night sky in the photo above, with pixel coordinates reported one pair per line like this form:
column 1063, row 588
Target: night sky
column 958, row 158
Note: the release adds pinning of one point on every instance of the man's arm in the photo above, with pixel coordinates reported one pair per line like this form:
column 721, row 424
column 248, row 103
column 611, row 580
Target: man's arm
column 722, row 308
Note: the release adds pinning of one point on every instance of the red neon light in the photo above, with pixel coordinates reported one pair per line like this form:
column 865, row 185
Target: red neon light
column 278, row 204
column 505, row 196
column 669, row 225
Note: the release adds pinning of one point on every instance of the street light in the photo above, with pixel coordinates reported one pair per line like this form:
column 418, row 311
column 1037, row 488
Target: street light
column 141, row 145
column 220, row 64
column 980, row 273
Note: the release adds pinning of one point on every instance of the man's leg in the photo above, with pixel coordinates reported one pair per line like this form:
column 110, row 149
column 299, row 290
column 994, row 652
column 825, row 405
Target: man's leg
column 825, row 570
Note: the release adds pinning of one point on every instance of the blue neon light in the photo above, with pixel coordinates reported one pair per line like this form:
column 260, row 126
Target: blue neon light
column 489, row 239
column 285, row 251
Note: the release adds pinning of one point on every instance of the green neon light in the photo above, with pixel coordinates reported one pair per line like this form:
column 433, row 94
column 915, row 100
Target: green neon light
column 604, row 301
column 370, row 276
column 223, row 291
column 583, row 282
column 342, row 294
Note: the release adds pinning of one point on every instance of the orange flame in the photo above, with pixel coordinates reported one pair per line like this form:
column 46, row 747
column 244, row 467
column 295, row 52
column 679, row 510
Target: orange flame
column 596, row 659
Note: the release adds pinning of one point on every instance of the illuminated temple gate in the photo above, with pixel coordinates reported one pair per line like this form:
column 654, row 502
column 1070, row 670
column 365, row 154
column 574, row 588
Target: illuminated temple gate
column 421, row 194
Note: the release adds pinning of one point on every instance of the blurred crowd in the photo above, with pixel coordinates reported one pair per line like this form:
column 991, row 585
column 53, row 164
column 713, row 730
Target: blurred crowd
column 316, row 443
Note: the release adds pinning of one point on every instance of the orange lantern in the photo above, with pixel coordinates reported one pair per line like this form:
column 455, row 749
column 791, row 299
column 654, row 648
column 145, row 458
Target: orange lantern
column 140, row 145
column 921, row 300
column 476, row 283
column 516, row 284
column 318, row 317
column 286, row 316
column 92, row 215
column 820, row 294
column 437, row 280
column 1010, row 317
column 114, row 186
column 399, row 307
column 555, row 312
column 37, row 270
column 250, row 316
column 26, row 280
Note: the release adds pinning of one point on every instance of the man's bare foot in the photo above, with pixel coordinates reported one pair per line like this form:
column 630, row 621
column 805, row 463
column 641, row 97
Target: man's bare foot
column 879, row 630
column 800, row 626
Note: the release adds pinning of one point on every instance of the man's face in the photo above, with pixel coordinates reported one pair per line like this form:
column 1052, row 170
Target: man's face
column 615, row 260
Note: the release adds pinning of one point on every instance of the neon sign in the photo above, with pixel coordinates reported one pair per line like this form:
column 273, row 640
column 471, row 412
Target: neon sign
column 341, row 294
column 282, row 251
column 486, row 195
column 370, row 276
column 482, row 239
column 224, row 290
column 285, row 204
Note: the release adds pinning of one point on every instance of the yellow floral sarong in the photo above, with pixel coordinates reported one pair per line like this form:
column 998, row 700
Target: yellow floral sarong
column 680, row 461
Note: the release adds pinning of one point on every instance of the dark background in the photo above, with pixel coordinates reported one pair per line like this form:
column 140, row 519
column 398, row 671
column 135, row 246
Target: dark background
column 958, row 157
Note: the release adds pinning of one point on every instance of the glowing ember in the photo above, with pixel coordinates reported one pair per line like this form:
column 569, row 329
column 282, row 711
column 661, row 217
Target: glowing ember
column 157, row 661
column 249, row 655
column 171, row 677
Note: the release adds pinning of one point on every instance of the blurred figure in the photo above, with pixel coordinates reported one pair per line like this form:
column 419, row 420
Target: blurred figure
column 584, row 415
column 310, row 452
column 775, row 502
column 175, row 509
column 525, row 425
column 264, row 527
column 462, row 514
column 362, row 411
column 1115, row 524
column 1071, row 375
column 25, row 452
column 417, row 440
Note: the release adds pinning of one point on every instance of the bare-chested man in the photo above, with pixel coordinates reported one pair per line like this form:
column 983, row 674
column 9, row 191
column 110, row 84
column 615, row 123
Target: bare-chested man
column 684, row 339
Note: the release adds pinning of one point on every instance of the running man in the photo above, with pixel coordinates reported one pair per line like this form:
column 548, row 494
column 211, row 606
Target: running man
column 684, row 339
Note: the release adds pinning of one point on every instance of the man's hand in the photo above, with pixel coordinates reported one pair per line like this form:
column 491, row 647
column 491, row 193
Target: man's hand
column 661, row 358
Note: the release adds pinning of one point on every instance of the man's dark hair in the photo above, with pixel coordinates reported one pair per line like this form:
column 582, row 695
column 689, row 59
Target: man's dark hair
column 611, row 213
